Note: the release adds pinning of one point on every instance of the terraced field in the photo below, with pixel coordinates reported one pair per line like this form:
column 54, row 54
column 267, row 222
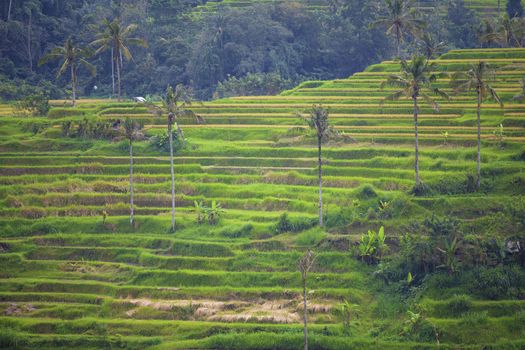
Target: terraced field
column 71, row 278
column 484, row 7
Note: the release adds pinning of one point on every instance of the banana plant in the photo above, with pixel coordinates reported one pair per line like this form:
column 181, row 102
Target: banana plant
column 214, row 213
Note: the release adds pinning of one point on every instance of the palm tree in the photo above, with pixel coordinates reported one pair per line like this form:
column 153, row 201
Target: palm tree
column 72, row 57
column 479, row 77
column 132, row 133
column 415, row 80
column 175, row 105
column 305, row 265
column 400, row 20
column 318, row 121
column 508, row 32
column 116, row 37
column 430, row 47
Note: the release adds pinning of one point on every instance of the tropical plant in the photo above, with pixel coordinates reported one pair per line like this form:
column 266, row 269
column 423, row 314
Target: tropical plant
column 507, row 32
column 372, row 246
column 305, row 265
column 499, row 133
column 431, row 47
column 348, row 311
column 131, row 132
column 211, row 214
column 175, row 105
column 200, row 209
column 478, row 77
column 318, row 121
column 400, row 20
column 449, row 251
column 214, row 213
column 415, row 80
column 116, row 37
column 36, row 104
column 72, row 57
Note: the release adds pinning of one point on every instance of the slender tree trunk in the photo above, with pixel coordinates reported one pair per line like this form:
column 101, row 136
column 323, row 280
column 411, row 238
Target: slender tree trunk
column 305, row 317
column 499, row 8
column 170, row 134
column 112, row 73
column 9, row 10
column 320, row 165
column 29, row 40
column 118, row 76
column 478, row 179
column 416, row 131
column 131, row 206
column 74, row 84
column 398, row 39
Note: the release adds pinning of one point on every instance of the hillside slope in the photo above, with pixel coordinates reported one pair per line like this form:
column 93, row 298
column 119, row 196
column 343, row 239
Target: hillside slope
column 72, row 277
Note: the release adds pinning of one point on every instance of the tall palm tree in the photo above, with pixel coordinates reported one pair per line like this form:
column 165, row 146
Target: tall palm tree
column 175, row 105
column 318, row 121
column 72, row 57
column 415, row 81
column 115, row 37
column 430, row 47
column 400, row 20
column 132, row 133
column 478, row 77
column 508, row 32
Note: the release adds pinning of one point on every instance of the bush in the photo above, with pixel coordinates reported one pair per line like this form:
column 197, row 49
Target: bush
column 458, row 305
column 501, row 282
column 37, row 104
column 162, row 142
column 285, row 224
column 366, row 192
column 237, row 232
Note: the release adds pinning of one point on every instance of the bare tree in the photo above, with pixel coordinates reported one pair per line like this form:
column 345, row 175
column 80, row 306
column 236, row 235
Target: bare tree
column 305, row 265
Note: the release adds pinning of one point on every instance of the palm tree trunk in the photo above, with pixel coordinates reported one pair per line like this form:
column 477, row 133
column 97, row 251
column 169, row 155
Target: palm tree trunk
column 9, row 10
column 398, row 39
column 499, row 8
column 131, row 206
column 118, row 74
column 320, row 166
column 112, row 73
column 416, row 131
column 305, row 316
column 478, row 180
column 170, row 134
column 29, row 41
column 74, row 84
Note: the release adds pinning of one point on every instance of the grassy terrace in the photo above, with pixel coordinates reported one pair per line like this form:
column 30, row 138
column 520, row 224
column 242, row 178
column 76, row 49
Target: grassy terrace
column 69, row 279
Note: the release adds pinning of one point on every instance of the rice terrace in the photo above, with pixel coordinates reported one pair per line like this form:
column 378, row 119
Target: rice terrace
column 266, row 175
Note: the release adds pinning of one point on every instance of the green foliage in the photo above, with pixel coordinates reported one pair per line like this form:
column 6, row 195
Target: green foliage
column 211, row 214
column 285, row 224
column 372, row 246
column 161, row 142
column 253, row 84
column 35, row 104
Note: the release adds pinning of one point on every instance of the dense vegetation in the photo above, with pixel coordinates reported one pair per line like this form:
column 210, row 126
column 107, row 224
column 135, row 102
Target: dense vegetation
column 257, row 49
column 385, row 210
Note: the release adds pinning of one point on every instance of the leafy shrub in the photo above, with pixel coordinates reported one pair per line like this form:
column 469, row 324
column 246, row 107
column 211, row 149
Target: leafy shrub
column 253, row 84
column 237, row 232
column 500, row 282
column 285, row 224
column 310, row 238
column 458, row 305
column 161, row 142
column 372, row 246
column 366, row 192
column 36, row 104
